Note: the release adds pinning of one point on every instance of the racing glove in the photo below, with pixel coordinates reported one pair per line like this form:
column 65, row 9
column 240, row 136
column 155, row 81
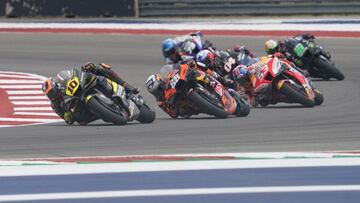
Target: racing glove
column 131, row 89
column 88, row 67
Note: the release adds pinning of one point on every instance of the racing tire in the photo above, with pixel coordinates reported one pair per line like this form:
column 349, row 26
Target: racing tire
column 146, row 114
column 328, row 69
column 319, row 98
column 206, row 106
column 295, row 95
column 97, row 108
column 243, row 109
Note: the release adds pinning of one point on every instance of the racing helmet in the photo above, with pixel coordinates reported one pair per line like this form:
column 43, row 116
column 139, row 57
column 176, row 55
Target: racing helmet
column 153, row 85
column 168, row 47
column 51, row 89
column 204, row 59
column 271, row 46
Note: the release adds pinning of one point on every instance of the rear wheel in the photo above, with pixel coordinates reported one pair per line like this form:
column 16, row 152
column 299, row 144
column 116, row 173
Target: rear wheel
column 146, row 114
column 99, row 109
column 205, row 105
column 328, row 69
column 295, row 95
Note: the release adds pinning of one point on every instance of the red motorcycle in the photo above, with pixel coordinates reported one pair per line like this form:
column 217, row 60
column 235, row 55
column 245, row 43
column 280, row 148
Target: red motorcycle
column 277, row 80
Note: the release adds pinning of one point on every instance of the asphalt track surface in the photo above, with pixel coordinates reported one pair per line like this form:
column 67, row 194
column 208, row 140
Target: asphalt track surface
column 282, row 127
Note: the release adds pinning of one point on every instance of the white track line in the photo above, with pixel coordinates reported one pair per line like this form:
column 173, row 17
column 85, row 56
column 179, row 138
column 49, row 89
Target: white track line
column 35, row 113
column 22, row 92
column 171, row 166
column 20, row 87
column 28, row 97
column 6, row 126
column 172, row 192
column 33, row 109
column 21, row 82
column 28, row 103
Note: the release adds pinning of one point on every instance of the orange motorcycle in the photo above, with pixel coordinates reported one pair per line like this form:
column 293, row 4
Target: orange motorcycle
column 199, row 92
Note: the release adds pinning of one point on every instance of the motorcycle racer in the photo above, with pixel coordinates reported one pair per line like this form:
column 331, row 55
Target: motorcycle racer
column 55, row 91
column 159, row 86
column 169, row 91
column 283, row 46
column 183, row 48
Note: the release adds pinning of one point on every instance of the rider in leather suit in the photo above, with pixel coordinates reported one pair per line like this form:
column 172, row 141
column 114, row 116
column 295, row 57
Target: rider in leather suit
column 55, row 91
column 183, row 48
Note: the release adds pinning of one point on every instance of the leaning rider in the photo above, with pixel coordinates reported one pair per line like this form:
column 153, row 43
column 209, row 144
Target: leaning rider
column 54, row 90
column 166, row 95
column 183, row 48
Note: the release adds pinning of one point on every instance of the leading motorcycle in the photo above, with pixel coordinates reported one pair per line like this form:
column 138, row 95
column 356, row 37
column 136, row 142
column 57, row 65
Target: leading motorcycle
column 86, row 99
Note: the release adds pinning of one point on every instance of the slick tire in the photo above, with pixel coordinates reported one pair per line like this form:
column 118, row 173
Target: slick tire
column 103, row 112
column 146, row 114
column 243, row 109
column 319, row 98
column 206, row 106
column 328, row 69
column 295, row 95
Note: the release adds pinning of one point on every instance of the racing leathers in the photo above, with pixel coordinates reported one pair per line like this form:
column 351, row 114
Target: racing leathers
column 186, row 47
column 169, row 100
column 60, row 104
column 168, row 97
column 225, row 62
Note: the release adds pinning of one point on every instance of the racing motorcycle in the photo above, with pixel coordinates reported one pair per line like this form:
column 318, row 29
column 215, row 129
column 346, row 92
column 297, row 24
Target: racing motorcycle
column 311, row 57
column 87, row 99
column 276, row 80
column 201, row 93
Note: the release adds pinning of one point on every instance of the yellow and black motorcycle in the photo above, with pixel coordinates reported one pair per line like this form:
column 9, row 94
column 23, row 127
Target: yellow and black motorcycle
column 93, row 97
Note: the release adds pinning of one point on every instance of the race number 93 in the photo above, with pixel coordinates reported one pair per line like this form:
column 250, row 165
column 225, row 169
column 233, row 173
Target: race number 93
column 72, row 86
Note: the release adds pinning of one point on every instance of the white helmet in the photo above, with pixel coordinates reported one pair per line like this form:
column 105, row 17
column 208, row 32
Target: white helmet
column 271, row 46
column 153, row 84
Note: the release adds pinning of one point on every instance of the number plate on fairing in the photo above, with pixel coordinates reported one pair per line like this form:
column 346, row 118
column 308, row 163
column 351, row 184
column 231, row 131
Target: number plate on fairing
column 72, row 86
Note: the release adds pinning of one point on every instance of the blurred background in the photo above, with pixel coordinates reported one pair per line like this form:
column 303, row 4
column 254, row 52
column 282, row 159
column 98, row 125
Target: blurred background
column 173, row 8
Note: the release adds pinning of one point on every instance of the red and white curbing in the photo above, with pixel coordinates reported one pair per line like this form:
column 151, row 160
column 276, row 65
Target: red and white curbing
column 22, row 101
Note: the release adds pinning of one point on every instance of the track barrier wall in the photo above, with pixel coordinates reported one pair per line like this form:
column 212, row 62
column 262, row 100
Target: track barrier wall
column 67, row 8
column 173, row 8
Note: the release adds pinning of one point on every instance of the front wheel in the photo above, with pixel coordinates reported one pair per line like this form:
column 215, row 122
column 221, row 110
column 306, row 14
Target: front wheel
column 100, row 110
column 146, row 114
column 243, row 108
column 328, row 69
column 295, row 95
column 319, row 98
column 206, row 106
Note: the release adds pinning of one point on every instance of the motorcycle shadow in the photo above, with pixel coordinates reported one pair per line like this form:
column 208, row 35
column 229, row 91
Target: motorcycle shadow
column 198, row 118
column 323, row 80
column 95, row 124
column 282, row 107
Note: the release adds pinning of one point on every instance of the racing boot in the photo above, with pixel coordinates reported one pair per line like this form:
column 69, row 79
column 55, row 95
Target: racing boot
column 105, row 70
column 263, row 95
